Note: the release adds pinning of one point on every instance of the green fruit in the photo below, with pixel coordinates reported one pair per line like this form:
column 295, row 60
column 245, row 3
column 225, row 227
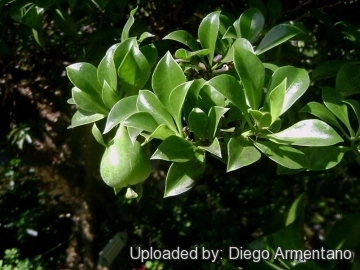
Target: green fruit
column 123, row 163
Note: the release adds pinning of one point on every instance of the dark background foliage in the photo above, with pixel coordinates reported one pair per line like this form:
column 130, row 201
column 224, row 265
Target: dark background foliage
column 56, row 189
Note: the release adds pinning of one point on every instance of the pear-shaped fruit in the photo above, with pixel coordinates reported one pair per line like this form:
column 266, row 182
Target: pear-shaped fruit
column 123, row 163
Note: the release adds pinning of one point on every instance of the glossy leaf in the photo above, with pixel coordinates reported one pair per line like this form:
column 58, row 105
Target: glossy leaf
column 176, row 102
column 297, row 210
column 148, row 102
column 348, row 79
column 82, row 118
column 276, row 99
column 320, row 111
column 150, row 53
column 128, row 24
column 64, row 22
column 120, row 111
column 326, row 69
column 312, row 132
column 232, row 90
column 284, row 155
column 161, row 132
column 84, row 77
column 186, row 55
column 133, row 133
column 144, row 36
column 323, row 158
column 259, row 5
column 208, row 32
column 122, row 50
column 214, row 117
column 198, row 121
column 133, row 72
column 262, row 119
column 174, row 149
column 209, row 97
column 191, row 100
column 87, row 102
column 240, row 42
column 185, row 38
column 214, row 148
column 277, row 35
column 241, row 153
column 97, row 135
column 109, row 96
column 141, row 120
column 106, row 70
column 252, row 74
column 334, row 102
column 182, row 176
column 33, row 17
column 167, row 75
column 355, row 105
column 250, row 24
column 297, row 82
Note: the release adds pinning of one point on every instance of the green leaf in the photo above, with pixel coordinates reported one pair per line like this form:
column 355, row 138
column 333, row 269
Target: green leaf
column 120, row 111
column 106, row 70
column 320, row 111
column 214, row 117
column 209, row 97
column 64, row 22
column 297, row 210
column 141, row 120
column 161, row 132
column 240, row 42
column 134, row 133
column 84, row 77
column 176, row 102
column 274, row 8
column 356, row 108
column 262, row 119
column 284, row 155
column 150, row 53
column 109, row 97
column 185, row 38
column 129, row 23
column 348, row 79
column 214, row 148
column 122, row 50
column 277, row 35
column 182, row 176
column 259, row 5
column 198, row 121
column 321, row 17
column 324, row 158
column 33, row 17
column 174, row 149
column 186, row 55
column 232, row 90
column 334, row 102
column 148, row 102
column 97, row 135
column 276, row 99
column 191, row 100
column 252, row 74
column 208, row 33
column 167, row 75
column 297, row 82
column 312, row 132
column 250, row 24
column 344, row 234
column 87, row 102
column 326, row 69
column 133, row 72
column 144, row 36
column 82, row 118
column 241, row 153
